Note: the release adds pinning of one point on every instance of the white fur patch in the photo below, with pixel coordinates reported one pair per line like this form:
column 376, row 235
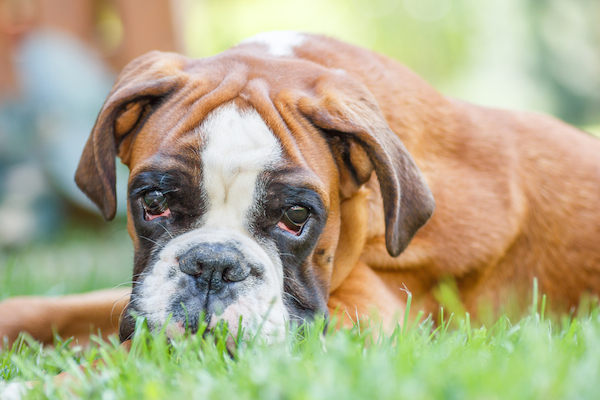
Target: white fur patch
column 238, row 147
column 280, row 43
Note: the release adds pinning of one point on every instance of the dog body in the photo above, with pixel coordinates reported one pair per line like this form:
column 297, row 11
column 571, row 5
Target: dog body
column 287, row 176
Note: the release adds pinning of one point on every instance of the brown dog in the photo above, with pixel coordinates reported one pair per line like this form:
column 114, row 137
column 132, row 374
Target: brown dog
column 287, row 176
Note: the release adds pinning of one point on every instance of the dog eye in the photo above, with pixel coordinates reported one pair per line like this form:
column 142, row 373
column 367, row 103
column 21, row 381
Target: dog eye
column 294, row 219
column 155, row 205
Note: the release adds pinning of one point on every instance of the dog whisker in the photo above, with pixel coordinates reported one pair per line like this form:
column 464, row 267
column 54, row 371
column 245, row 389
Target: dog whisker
column 293, row 297
column 152, row 241
column 166, row 230
column 292, row 280
column 112, row 314
column 122, row 284
column 131, row 301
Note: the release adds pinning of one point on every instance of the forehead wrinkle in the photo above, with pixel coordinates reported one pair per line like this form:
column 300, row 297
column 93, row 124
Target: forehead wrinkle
column 157, row 163
column 299, row 177
column 294, row 165
column 228, row 88
column 283, row 119
column 204, row 91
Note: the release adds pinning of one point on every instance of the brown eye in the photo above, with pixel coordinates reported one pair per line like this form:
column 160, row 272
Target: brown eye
column 155, row 205
column 294, row 219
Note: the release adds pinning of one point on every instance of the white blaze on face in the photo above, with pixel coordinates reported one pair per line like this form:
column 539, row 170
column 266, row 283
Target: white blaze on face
column 238, row 147
column 280, row 43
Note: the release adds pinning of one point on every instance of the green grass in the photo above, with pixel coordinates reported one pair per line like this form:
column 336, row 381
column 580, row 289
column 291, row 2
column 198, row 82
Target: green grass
column 534, row 358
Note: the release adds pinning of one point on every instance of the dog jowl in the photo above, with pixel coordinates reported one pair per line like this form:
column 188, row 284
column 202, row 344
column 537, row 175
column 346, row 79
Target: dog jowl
column 238, row 165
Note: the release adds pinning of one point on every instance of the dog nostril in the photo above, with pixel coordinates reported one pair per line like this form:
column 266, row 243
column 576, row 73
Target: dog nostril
column 191, row 267
column 197, row 269
column 226, row 276
column 235, row 273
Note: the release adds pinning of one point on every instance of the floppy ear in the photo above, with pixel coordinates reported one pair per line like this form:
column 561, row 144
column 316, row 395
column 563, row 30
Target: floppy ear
column 140, row 86
column 347, row 112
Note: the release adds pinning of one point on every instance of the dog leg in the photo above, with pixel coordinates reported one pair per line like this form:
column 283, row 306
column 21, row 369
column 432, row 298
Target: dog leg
column 364, row 295
column 76, row 315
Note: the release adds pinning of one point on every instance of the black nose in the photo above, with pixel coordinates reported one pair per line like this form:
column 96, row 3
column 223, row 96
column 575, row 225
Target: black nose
column 214, row 265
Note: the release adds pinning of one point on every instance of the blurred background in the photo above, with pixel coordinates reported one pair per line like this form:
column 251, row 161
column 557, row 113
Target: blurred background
column 59, row 58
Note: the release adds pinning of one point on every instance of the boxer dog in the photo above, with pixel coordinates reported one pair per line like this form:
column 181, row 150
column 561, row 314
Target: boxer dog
column 295, row 175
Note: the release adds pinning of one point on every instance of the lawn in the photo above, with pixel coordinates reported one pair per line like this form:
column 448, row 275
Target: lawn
column 533, row 358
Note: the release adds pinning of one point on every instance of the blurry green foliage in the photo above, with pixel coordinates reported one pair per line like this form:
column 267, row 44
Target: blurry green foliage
column 429, row 36
column 534, row 54
column 567, row 44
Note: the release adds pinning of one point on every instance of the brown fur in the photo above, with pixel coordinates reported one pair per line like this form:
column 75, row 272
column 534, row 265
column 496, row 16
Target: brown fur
column 516, row 193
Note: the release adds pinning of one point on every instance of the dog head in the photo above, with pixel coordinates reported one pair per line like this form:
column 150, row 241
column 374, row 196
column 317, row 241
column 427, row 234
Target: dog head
column 238, row 164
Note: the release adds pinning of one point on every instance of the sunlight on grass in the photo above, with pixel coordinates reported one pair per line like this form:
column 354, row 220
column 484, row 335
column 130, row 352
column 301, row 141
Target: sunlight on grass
column 533, row 358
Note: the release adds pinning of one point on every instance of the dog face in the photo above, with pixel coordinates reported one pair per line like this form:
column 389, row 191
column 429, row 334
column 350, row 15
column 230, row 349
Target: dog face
column 238, row 164
column 225, row 222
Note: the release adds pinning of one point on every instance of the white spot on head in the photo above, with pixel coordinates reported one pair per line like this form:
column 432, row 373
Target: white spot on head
column 280, row 43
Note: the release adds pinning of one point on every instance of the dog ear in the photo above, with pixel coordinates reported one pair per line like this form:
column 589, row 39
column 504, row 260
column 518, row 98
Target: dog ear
column 138, row 89
column 362, row 140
